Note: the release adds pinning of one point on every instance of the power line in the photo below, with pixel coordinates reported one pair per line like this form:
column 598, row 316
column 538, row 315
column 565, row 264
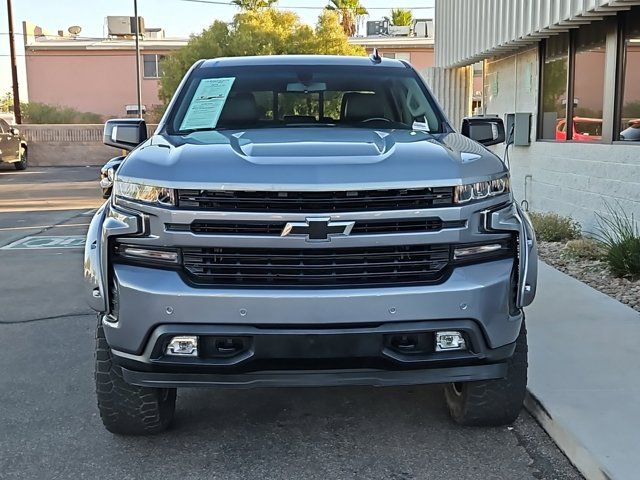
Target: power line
column 38, row 55
column 303, row 7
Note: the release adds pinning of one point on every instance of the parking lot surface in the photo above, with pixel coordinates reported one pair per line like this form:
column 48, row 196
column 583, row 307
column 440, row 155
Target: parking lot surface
column 49, row 424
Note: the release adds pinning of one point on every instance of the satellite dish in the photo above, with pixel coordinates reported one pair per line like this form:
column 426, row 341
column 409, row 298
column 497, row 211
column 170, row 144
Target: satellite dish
column 74, row 29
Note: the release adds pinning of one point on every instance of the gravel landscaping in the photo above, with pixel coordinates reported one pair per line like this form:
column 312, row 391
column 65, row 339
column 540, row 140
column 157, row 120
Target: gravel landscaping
column 592, row 272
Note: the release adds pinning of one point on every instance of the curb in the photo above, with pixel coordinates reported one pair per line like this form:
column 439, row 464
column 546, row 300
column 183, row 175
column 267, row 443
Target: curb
column 571, row 446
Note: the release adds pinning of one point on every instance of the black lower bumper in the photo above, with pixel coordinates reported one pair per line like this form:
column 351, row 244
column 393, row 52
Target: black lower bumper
column 317, row 378
column 387, row 354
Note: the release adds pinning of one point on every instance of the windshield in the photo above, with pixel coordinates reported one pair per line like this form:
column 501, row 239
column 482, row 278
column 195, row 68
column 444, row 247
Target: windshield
column 218, row 98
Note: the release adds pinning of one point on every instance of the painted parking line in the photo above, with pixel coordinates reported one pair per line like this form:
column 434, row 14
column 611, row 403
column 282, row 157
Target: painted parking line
column 42, row 242
column 44, row 227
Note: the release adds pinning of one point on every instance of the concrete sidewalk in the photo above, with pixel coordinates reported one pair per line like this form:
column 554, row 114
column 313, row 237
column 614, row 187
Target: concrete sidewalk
column 584, row 375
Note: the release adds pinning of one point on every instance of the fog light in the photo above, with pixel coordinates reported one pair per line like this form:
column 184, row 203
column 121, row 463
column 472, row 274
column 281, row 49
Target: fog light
column 184, row 346
column 446, row 341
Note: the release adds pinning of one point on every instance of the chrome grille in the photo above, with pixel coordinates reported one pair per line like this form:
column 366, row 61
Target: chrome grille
column 361, row 227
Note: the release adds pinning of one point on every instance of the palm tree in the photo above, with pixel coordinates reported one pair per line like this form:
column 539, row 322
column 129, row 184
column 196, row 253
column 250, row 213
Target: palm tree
column 401, row 17
column 349, row 11
column 253, row 4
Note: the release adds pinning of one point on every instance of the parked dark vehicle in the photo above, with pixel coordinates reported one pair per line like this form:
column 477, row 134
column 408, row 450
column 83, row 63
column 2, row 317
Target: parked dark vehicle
column 308, row 221
column 107, row 174
column 13, row 148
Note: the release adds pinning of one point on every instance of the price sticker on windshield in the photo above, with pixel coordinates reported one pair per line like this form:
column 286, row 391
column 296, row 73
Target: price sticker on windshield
column 207, row 103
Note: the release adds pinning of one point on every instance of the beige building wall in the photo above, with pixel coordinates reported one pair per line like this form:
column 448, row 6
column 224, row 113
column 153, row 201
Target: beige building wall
column 100, row 82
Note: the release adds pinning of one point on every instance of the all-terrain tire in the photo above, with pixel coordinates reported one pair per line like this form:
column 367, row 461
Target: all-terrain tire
column 127, row 409
column 492, row 402
column 23, row 163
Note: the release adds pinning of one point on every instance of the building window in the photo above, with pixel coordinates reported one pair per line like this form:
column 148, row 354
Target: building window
column 573, row 78
column 555, row 70
column 406, row 56
column 588, row 84
column 630, row 92
column 152, row 65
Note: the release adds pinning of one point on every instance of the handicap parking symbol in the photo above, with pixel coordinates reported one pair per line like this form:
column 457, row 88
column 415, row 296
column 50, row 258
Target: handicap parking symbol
column 41, row 242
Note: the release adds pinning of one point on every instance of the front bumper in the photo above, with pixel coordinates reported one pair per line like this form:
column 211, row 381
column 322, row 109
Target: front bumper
column 151, row 297
column 489, row 296
column 382, row 355
column 317, row 378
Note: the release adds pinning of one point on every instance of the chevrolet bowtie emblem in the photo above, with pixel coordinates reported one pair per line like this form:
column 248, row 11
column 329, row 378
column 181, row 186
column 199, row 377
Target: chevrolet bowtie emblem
column 317, row 229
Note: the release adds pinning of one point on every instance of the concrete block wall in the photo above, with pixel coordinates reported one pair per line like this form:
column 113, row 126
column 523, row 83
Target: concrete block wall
column 571, row 179
column 67, row 145
column 577, row 180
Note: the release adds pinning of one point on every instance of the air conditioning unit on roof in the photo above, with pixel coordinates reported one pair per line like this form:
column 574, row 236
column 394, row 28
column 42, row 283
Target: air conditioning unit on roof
column 120, row 26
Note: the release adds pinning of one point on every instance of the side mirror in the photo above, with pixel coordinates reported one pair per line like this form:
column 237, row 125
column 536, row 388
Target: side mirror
column 14, row 131
column 484, row 130
column 126, row 133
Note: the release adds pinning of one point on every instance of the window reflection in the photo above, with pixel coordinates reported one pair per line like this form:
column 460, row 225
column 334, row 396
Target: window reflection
column 588, row 89
column 630, row 111
column 554, row 88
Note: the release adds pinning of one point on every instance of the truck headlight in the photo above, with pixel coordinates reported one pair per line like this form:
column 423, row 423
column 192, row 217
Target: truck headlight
column 144, row 193
column 481, row 190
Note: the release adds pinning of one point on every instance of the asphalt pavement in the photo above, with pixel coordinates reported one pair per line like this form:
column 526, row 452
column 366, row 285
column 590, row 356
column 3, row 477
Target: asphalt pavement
column 50, row 427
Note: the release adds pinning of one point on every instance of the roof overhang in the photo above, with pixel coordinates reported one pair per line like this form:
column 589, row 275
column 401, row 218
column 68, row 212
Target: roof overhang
column 470, row 31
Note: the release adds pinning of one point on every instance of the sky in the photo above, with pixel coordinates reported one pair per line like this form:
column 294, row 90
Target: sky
column 179, row 18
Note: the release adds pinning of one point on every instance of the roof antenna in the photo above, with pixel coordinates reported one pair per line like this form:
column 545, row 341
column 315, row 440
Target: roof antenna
column 375, row 56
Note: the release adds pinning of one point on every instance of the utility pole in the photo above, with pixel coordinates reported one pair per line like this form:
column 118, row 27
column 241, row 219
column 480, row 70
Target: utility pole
column 14, row 67
column 138, row 86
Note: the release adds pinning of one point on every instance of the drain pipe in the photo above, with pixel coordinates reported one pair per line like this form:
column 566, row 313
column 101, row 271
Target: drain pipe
column 525, row 203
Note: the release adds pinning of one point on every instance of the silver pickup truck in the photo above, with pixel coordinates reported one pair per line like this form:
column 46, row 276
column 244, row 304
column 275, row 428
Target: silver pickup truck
column 308, row 221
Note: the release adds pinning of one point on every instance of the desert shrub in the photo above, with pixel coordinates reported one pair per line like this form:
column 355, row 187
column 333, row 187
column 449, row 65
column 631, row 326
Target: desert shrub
column 34, row 112
column 584, row 248
column 551, row 227
column 619, row 235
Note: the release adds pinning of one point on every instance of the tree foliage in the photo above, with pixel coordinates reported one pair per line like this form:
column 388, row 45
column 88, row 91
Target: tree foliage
column 6, row 102
column 401, row 17
column 265, row 32
column 348, row 12
column 253, row 4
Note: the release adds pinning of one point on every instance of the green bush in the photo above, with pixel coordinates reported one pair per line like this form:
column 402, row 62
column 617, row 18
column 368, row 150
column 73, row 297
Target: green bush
column 34, row 112
column 551, row 227
column 585, row 249
column 619, row 235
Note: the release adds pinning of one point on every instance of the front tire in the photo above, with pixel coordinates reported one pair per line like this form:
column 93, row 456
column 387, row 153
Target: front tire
column 23, row 163
column 127, row 409
column 492, row 402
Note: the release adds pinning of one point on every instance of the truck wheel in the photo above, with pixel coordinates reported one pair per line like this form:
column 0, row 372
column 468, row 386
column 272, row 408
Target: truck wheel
column 23, row 163
column 127, row 409
column 492, row 402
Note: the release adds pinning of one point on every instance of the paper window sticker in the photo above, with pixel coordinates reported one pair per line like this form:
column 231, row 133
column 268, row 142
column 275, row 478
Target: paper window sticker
column 207, row 103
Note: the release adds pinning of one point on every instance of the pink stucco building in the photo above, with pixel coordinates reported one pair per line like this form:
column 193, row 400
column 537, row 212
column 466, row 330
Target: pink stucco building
column 419, row 51
column 93, row 75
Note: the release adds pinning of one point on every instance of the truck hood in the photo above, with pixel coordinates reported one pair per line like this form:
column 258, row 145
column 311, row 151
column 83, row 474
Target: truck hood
column 309, row 158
